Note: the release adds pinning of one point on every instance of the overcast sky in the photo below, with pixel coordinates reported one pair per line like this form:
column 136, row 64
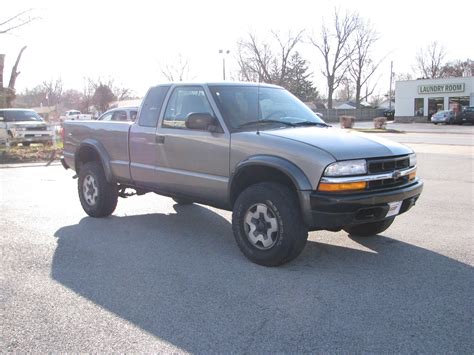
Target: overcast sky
column 129, row 40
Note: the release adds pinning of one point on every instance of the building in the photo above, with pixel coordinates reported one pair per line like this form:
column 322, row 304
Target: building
column 422, row 98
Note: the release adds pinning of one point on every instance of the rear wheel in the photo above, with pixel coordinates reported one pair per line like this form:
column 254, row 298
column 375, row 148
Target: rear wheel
column 98, row 197
column 267, row 224
column 369, row 229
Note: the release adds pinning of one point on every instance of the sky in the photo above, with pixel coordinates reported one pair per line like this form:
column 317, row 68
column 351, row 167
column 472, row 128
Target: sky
column 129, row 41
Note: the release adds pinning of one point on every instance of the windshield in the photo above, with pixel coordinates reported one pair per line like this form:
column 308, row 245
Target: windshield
column 22, row 116
column 243, row 106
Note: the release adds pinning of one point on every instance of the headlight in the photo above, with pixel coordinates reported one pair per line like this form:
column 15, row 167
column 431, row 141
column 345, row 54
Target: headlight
column 412, row 159
column 349, row 167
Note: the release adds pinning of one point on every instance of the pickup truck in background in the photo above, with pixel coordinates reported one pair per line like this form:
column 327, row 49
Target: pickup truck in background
column 75, row 115
column 253, row 149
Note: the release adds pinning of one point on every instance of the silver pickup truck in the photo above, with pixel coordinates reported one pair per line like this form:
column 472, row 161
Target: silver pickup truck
column 253, row 149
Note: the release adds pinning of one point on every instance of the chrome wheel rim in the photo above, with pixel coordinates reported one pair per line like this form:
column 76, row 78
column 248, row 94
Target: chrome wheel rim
column 90, row 190
column 261, row 226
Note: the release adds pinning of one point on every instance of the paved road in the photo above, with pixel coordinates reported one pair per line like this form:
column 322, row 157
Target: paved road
column 157, row 277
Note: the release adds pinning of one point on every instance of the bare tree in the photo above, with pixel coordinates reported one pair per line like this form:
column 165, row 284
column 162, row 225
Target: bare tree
column 346, row 90
column 7, row 94
column 336, row 48
column 458, row 68
column 429, row 60
column 16, row 21
column 361, row 66
column 177, row 71
column 53, row 91
column 267, row 61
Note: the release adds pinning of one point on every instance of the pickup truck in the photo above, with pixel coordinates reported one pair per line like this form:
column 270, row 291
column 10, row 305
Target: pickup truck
column 75, row 115
column 253, row 149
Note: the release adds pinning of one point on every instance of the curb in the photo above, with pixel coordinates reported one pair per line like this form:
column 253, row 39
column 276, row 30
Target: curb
column 28, row 165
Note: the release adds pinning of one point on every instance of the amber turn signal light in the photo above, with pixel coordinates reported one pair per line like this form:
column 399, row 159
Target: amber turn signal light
column 324, row 186
column 412, row 176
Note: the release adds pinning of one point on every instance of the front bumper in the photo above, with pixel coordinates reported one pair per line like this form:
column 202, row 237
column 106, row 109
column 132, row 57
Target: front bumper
column 335, row 211
column 33, row 137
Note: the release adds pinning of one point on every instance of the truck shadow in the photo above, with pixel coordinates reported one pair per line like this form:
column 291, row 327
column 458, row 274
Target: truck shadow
column 182, row 278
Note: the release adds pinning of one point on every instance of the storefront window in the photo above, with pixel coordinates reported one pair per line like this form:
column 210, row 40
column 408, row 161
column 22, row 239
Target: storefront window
column 419, row 104
column 457, row 104
column 435, row 104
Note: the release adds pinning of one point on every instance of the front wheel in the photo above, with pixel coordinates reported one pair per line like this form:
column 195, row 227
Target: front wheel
column 98, row 197
column 369, row 229
column 267, row 224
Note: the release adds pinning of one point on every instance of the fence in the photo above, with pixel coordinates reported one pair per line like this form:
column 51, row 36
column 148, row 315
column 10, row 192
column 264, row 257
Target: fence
column 364, row 114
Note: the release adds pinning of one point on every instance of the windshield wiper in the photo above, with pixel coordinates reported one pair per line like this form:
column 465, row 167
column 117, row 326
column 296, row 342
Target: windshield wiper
column 309, row 123
column 266, row 121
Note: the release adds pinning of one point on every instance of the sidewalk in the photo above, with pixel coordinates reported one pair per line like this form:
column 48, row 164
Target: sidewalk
column 422, row 127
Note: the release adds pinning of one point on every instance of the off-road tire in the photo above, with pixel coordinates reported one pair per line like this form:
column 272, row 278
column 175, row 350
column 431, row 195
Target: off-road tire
column 369, row 229
column 107, row 193
column 182, row 201
column 284, row 207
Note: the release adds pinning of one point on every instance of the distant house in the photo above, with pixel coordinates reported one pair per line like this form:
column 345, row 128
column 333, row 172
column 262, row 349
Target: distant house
column 349, row 105
column 386, row 104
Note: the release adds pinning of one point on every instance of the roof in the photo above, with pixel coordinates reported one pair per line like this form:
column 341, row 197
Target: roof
column 16, row 109
column 222, row 83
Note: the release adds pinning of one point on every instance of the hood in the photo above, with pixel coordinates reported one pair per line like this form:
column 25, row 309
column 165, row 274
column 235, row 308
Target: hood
column 27, row 123
column 342, row 144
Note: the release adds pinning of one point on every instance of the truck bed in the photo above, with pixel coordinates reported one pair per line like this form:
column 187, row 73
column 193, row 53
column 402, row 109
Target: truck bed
column 111, row 136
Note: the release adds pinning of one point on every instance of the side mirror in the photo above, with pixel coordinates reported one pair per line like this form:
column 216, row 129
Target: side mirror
column 202, row 121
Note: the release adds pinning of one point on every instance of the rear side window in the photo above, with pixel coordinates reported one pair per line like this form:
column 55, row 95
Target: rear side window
column 133, row 115
column 152, row 106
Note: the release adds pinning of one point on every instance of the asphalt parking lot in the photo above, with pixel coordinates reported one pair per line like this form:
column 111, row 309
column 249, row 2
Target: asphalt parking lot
column 158, row 277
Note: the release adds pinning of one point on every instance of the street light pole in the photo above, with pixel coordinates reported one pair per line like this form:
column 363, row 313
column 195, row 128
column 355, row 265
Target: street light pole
column 224, row 53
column 390, row 92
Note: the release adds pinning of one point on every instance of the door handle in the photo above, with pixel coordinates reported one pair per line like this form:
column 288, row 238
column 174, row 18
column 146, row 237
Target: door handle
column 160, row 139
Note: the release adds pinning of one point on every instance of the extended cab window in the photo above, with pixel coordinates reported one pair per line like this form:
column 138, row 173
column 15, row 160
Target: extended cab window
column 119, row 116
column 152, row 106
column 183, row 101
column 106, row 117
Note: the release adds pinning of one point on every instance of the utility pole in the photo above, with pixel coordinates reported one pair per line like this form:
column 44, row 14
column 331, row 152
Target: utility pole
column 390, row 92
column 224, row 53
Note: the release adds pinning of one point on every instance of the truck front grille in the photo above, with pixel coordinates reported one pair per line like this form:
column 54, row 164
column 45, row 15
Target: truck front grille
column 377, row 166
column 38, row 128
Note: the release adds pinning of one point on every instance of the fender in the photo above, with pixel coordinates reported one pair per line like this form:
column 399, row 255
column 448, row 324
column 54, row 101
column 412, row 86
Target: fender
column 296, row 175
column 291, row 170
column 103, row 155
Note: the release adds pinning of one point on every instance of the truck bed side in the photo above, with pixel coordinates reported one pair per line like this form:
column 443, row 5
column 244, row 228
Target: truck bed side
column 110, row 137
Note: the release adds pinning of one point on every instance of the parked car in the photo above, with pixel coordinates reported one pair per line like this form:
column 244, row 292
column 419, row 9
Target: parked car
column 467, row 115
column 446, row 117
column 26, row 127
column 120, row 114
column 75, row 115
column 389, row 113
column 3, row 131
column 254, row 149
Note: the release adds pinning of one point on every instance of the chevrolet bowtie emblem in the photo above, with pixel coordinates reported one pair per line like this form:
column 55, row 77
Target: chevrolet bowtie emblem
column 396, row 174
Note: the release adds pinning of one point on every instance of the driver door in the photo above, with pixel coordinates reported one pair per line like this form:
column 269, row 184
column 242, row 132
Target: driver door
column 192, row 162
